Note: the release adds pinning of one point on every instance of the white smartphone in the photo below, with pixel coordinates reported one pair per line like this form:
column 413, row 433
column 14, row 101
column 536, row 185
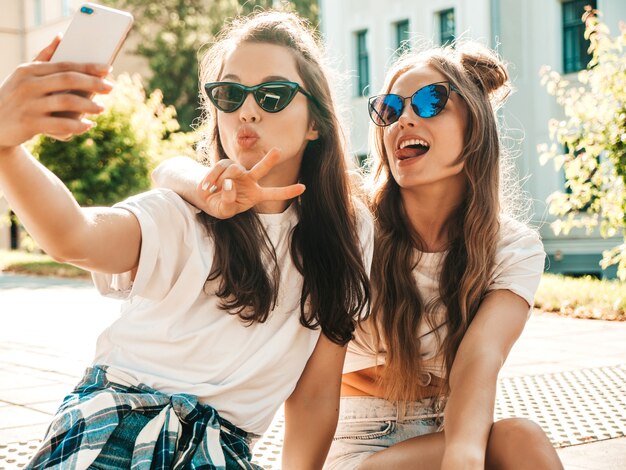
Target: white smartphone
column 95, row 35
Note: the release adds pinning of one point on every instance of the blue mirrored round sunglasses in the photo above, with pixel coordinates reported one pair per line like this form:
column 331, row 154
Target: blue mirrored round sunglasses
column 426, row 102
column 270, row 96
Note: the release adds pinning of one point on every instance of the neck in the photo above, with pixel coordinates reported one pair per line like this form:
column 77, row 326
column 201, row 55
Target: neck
column 271, row 207
column 430, row 207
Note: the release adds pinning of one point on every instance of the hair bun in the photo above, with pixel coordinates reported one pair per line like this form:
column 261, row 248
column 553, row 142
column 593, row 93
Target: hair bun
column 486, row 70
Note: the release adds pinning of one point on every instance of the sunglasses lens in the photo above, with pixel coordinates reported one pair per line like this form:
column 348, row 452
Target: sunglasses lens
column 430, row 100
column 385, row 109
column 227, row 97
column 274, row 97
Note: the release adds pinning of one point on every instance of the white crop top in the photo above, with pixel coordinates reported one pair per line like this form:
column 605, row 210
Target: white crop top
column 519, row 264
column 173, row 337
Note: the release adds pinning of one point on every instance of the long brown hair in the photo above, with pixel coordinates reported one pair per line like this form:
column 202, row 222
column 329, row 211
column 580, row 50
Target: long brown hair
column 325, row 244
column 397, row 308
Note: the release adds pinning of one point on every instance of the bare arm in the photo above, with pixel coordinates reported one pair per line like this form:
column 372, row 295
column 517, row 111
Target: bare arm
column 469, row 411
column 182, row 175
column 473, row 378
column 98, row 239
column 312, row 410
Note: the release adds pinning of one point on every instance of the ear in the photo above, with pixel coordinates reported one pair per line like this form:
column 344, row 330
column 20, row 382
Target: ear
column 312, row 133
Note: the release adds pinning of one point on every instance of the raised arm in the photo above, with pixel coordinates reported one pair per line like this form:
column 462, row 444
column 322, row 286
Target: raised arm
column 99, row 239
column 473, row 378
column 182, row 175
column 312, row 410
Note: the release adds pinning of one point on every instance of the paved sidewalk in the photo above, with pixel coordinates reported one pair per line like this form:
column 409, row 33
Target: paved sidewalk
column 48, row 330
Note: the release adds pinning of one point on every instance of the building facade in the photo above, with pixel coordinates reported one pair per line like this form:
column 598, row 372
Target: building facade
column 364, row 35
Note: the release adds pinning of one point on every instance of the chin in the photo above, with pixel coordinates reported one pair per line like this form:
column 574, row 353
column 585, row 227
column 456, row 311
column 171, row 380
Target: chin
column 248, row 158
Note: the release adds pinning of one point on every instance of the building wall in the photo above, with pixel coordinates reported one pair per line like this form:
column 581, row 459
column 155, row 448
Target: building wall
column 531, row 37
column 527, row 35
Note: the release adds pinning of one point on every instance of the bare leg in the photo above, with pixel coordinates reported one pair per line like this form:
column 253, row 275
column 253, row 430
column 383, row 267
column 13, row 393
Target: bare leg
column 515, row 443
column 520, row 444
column 419, row 453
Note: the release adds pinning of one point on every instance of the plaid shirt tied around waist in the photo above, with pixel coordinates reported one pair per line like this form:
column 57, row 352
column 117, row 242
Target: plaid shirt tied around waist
column 112, row 421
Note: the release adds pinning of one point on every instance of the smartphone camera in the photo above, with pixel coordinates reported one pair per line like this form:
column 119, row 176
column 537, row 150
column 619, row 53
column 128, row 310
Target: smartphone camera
column 86, row 10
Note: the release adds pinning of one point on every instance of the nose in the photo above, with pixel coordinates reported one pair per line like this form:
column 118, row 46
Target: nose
column 408, row 118
column 249, row 111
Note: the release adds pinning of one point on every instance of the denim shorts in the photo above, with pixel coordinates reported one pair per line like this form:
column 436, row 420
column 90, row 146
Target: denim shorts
column 368, row 425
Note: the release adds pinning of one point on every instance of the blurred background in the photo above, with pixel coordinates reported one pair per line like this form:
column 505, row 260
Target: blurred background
column 565, row 124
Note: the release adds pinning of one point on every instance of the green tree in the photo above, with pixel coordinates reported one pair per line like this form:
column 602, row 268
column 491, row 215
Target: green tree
column 113, row 160
column 590, row 143
column 171, row 33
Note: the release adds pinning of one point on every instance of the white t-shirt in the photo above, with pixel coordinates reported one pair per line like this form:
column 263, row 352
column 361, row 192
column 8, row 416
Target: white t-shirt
column 173, row 337
column 519, row 263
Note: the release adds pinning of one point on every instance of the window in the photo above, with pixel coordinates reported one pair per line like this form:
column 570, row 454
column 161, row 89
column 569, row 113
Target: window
column 403, row 37
column 575, row 56
column 446, row 26
column 66, row 8
column 362, row 62
column 38, row 7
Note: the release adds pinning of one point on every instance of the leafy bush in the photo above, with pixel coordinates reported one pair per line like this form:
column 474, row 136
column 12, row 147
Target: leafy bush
column 114, row 159
column 590, row 143
column 584, row 297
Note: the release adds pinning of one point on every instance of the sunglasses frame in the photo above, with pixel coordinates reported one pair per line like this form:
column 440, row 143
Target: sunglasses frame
column 450, row 88
column 293, row 86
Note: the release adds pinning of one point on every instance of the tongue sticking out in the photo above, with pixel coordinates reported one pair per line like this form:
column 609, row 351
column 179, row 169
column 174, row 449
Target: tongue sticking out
column 411, row 151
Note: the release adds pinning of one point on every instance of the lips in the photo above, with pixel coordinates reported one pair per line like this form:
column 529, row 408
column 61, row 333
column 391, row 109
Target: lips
column 246, row 137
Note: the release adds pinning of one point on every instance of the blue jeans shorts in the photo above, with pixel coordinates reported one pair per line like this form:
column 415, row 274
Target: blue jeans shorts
column 368, row 425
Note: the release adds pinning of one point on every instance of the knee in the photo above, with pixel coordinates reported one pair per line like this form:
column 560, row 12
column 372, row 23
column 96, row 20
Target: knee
column 521, row 444
column 517, row 432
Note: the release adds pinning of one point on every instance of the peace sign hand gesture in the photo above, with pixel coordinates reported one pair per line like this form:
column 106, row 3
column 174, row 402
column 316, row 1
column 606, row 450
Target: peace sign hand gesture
column 229, row 189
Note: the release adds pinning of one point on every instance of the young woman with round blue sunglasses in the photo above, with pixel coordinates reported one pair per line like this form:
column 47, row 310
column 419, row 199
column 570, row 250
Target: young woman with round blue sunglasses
column 453, row 278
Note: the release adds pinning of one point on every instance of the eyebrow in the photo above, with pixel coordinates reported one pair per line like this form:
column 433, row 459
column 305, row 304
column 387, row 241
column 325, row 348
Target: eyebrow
column 269, row 78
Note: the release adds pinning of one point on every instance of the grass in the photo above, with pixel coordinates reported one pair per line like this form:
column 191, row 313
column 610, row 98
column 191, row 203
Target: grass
column 584, row 297
column 20, row 262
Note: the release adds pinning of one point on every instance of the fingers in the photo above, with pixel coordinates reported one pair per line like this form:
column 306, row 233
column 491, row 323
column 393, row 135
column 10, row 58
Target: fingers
column 42, row 69
column 71, row 81
column 222, row 170
column 68, row 102
column 263, row 167
column 63, row 128
column 282, row 194
column 229, row 193
column 48, row 51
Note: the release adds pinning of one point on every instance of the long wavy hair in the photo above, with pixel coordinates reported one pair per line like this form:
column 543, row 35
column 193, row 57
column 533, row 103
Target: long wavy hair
column 397, row 307
column 325, row 245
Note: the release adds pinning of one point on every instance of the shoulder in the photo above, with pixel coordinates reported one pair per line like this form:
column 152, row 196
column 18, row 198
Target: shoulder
column 517, row 235
column 519, row 259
